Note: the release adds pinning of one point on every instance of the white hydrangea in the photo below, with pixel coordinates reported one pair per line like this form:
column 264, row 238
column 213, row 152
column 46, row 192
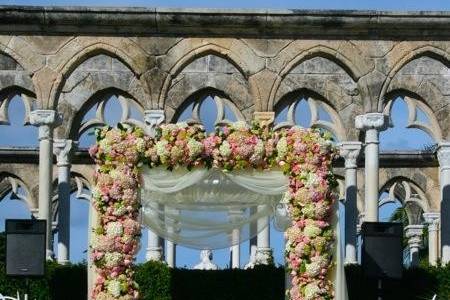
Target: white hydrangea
column 225, row 149
column 195, row 147
column 312, row 291
column 114, row 229
column 259, row 149
column 115, row 174
column 282, row 148
column 140, row 145
column 240, row 125
column 114, row 288
column 182, row 125
column 119, row 210
column 161, row 148
column 103, row 144
column 311, row 179
column 312, row 231
column 313, row 269
column 96, row 192
column 112, row 259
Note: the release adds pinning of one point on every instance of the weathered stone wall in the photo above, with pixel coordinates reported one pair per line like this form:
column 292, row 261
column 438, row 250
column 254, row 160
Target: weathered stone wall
column 354, row 62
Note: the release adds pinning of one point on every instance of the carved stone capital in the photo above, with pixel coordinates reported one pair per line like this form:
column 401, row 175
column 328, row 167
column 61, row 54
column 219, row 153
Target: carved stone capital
column 63, row 149
column 432, row 219
column 414, row 234
column 264, row 117
column 443, row 155
column 350, row 152
column 152, row 119
column 46, row 120
column 377, row 121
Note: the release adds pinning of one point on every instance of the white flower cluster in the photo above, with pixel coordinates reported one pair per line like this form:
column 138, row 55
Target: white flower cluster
column 312, row 231
column 113, row 259
column 140, row 145
column 311, row 179
column 313, row 269
column 312, row 291
column 114, row 229
column 239, row 125
column 282, row 148
column 104, row 144
column 161, row 148
column 195, row 148
column 119, row 210
column 114, row 288
column 225, row 149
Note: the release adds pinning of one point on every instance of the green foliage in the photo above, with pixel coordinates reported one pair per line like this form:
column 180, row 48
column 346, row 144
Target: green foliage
column 154, row 281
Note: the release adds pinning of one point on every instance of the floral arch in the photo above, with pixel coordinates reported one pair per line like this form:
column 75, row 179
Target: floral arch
column 302, row 156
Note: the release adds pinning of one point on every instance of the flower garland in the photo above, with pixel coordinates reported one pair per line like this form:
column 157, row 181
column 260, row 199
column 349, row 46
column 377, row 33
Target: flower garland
column 304, row 156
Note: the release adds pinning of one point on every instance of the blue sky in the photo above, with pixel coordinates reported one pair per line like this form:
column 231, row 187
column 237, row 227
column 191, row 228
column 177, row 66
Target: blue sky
column 279, row 4
column 398, row 137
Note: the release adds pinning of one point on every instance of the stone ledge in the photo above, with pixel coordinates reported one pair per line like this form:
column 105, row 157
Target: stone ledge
column 224, row 22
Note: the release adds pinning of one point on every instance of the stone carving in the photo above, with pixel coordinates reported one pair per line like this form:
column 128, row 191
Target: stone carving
column 443, row 154
column 350, row 152
column 46, row 120
column 206, row 263
column 63, row 149
column 377, row 121
column 153, row 118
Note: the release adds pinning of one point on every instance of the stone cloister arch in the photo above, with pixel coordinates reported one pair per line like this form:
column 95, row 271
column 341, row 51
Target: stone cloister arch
column 254, row 62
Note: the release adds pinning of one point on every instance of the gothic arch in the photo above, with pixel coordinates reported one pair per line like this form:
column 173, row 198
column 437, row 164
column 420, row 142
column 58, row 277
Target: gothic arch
column 11, row 183
column 414, row 103
column 407, row 55
column 73, row 122
column 198, row 51
column 315, row 101
column 134, row 60
column 355, row 71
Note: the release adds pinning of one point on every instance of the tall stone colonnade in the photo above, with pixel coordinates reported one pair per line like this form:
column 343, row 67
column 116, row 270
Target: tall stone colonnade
column 65, row 63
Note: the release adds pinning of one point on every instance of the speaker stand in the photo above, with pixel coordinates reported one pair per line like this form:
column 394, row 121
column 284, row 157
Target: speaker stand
column 380, row 289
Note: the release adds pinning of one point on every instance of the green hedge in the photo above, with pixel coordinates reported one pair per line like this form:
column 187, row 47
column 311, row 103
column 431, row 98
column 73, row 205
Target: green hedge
column 158, row 282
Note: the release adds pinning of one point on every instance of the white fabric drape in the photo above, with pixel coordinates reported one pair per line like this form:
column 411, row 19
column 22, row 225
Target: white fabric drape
column 200, row 208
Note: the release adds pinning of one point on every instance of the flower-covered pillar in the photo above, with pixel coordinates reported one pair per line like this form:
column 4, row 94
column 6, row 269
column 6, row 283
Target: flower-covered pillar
column 372, row 124
column 46, row 120
column 155, row 244
column 63, row 150
column 432, row 219
column 414, row 235
column 350, row 151
column 443, row 154
column 263, row 253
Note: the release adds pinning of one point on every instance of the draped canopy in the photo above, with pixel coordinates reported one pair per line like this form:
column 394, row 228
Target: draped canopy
column 203, row 208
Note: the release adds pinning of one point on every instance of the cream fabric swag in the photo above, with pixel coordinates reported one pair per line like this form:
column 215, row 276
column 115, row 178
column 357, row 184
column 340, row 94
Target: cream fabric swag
column 203, row 208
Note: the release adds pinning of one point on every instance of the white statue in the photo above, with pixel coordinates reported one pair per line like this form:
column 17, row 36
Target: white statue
column 206, row 263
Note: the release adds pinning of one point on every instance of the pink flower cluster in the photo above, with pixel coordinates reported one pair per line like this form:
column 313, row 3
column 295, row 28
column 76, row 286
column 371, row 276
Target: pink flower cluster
column 304, row 155
column 116, row 236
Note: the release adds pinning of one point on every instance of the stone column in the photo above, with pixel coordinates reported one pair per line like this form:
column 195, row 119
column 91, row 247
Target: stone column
column 263, row 254
column 372, row 124
column 235, row 216
column 63, row 150
column 172, row 228
column 443, row 154
column 46, row 120
column 154, row 250
column 350, row 151
column 432, row 219
column 414, row 235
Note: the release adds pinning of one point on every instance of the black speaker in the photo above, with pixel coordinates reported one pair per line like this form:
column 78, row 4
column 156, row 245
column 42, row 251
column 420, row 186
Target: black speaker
column 382, row 250
column 25, row 247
